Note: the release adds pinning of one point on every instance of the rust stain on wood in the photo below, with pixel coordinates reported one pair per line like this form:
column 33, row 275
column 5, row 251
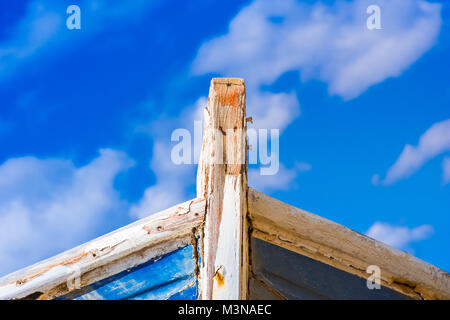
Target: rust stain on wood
column 229, row 94
column 195, row 255
column 220, row 279
column 234, row 169
column 148, row 229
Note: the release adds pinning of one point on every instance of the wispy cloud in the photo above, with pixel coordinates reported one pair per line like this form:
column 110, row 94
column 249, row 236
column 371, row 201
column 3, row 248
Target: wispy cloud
column 174, row 183
column 43, row 27
column 399, row 236
column 282, row 180
column 171, row 184
column 435, row 141
column 446, row 171
column 330, row 43
column 326, row 42
column 272, row 110
column 49, row 205
column 34, row 31
column 375, row 179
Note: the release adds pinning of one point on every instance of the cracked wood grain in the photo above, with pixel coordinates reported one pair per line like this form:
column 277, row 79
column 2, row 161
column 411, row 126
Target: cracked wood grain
column 222, row 181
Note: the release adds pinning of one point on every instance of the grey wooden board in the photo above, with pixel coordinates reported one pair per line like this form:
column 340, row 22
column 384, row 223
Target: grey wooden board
column 259, row 291
column 277, row 271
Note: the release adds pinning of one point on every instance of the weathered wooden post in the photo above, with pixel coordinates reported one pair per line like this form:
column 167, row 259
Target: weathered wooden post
column 222, row 181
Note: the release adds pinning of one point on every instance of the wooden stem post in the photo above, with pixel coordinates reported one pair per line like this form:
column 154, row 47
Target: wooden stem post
column 222, row 181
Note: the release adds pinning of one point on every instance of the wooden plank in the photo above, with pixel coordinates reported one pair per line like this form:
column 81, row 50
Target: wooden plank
column 110, row 254
column 161, row 278
column 222, row 181
column 301, row 278
column 333, row 244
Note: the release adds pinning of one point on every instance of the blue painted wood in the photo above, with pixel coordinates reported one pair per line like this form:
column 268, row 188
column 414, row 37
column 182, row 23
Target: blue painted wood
column 168, row 277
column 190, row 293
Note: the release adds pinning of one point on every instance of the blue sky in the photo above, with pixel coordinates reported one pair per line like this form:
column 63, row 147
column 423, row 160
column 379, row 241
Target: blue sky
column 86, row 115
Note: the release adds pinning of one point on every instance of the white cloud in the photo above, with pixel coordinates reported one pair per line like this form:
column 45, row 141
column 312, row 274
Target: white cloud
column 446, row 171
column 272, row 110
column 37, row 29
column 171, row 184
column 397, row 236
column 326, row 42
column 43, row 27
column 303, row 167
column 172, row 181
column 283, row 180
column 49, row 205
column 435, row 141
